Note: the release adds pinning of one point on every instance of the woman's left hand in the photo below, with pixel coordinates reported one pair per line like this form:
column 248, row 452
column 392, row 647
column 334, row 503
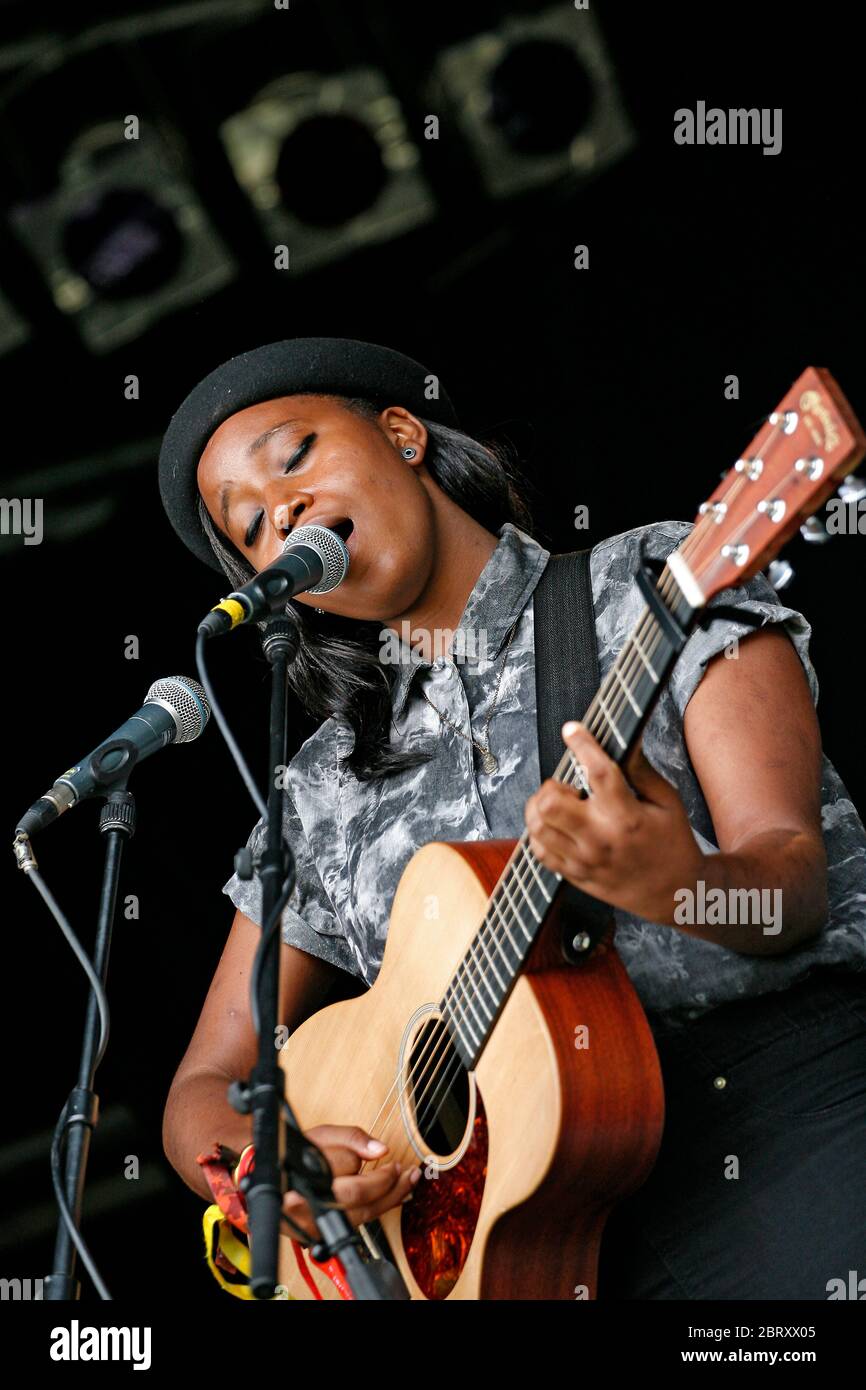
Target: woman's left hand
column 632, row 851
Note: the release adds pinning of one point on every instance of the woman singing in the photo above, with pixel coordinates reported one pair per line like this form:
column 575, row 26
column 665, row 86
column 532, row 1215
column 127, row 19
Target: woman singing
column 758, row 1188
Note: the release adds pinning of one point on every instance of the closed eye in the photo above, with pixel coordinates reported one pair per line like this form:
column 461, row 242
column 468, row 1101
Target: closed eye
column 303, row 448
column 255, row 525
column 253, row 529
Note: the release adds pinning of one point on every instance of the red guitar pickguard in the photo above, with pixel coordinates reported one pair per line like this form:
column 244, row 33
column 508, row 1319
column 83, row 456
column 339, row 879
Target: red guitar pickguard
column 439, row 1223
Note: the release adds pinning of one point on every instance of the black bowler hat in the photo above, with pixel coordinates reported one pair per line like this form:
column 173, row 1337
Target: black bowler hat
column 295, row 366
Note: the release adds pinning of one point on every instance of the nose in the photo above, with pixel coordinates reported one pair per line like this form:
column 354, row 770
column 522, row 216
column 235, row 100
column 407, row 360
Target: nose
column 286, row 516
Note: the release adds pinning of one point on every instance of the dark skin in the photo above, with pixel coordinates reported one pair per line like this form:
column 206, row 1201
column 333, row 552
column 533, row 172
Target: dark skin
column 750, row 729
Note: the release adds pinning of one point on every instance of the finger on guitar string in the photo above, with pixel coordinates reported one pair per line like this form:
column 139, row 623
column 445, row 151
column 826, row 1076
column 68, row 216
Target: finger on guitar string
column 362, row 1196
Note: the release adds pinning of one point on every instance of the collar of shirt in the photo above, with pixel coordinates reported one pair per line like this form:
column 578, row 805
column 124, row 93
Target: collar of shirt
column 501, row 592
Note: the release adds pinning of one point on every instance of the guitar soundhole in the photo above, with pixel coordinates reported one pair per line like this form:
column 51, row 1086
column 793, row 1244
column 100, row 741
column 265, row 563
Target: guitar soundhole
column 438, row 1225
column 439, row 1090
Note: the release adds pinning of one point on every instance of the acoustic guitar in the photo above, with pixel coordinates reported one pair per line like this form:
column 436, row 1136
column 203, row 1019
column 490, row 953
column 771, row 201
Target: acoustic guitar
column 527, row 1087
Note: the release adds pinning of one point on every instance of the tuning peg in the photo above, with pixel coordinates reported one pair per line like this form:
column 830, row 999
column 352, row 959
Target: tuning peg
column 852, row 488
column 814, row 531
column 780, row 574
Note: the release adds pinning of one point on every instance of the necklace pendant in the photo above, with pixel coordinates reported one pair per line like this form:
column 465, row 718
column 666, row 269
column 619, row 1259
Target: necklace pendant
column 488, row 762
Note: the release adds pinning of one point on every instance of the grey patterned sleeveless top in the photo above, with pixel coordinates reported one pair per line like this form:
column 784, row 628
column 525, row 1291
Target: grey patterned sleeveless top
column 351, row 840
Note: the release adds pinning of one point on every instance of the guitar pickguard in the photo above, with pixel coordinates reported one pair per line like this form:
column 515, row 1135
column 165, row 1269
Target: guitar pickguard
column 438, row 1224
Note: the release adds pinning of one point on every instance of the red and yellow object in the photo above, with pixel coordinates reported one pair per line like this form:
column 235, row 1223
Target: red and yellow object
column 226, row 1233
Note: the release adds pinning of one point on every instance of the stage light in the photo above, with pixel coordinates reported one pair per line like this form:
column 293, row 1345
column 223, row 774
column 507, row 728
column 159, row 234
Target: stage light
column 124, row 239
column 122, row 242
column 327, row 162
column 541, row 96
column 537, row 100
column 350, row 158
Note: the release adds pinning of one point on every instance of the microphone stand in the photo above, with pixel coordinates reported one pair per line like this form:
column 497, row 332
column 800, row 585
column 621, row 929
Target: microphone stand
column 264, row 1094
column 117, row 821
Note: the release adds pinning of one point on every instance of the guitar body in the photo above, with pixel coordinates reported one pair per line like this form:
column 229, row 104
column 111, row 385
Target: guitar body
column 561, row 1118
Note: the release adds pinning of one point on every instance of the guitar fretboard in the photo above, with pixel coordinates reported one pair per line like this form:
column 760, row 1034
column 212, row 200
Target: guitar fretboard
column 525, row 892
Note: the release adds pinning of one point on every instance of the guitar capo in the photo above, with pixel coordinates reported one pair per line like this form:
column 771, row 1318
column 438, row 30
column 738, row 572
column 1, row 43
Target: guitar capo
column 647, row 574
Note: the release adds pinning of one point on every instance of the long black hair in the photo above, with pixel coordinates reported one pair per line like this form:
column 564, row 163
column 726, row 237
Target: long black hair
column 337, row 671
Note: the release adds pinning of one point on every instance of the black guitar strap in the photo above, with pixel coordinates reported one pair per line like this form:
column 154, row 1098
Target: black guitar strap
column 566, row 681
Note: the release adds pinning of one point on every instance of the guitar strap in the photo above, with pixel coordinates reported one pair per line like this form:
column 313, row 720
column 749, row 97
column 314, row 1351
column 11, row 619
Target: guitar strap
column 566, row 680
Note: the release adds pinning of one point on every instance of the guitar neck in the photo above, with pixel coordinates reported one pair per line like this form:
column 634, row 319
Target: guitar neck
column 526, row 890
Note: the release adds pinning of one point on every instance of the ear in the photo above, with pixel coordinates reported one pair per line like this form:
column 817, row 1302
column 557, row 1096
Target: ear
column 405, row 430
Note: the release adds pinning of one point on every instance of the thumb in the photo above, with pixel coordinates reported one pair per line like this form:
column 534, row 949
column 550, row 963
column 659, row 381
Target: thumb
column 351, row 1137
column 649, row 784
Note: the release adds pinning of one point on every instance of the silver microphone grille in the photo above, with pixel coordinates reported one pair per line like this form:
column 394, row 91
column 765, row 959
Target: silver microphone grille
column 332, row 549
column 186, row 701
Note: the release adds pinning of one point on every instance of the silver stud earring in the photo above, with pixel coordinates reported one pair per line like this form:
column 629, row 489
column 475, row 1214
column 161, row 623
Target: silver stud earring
column 408, row 452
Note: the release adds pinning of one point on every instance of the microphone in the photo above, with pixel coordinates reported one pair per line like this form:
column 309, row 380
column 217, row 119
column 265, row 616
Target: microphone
column 314, row 561
column 175, row 710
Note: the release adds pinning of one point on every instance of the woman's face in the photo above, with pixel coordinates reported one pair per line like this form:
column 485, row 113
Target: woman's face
column 298, row 459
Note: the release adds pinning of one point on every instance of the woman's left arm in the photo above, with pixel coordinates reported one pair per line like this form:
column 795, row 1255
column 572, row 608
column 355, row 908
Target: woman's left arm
column 754, row 742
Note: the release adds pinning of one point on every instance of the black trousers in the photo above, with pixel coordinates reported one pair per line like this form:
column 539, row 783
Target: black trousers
column 759, row 1189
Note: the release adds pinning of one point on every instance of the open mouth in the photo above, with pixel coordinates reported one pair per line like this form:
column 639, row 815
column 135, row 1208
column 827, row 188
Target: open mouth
column 344, row 528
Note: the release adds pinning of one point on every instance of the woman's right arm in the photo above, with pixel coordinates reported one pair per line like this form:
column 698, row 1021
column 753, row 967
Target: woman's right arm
column 224, row 1048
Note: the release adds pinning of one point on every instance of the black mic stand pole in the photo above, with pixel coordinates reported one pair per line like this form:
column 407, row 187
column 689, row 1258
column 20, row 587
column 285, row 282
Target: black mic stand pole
column 117, row 823
column 264, row 1095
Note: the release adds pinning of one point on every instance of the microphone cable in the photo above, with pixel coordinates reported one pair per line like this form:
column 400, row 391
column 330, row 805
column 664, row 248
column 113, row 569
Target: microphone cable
column 26, row 862
column 269, row 928
column 222, row 723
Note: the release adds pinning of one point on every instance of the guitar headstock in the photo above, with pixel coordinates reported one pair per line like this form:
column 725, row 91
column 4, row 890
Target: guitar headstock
column 808, row 444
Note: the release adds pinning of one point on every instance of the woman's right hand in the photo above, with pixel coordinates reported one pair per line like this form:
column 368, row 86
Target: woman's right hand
column 363, row 1195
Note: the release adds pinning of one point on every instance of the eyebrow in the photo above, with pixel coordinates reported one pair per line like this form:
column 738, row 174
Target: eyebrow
column 263, row 438
column 225, row 494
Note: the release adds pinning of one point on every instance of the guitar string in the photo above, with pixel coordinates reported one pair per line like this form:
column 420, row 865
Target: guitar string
column 443, row 1033
column 599, row 716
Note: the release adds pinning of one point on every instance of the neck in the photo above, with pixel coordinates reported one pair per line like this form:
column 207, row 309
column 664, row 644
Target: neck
column 460, row 549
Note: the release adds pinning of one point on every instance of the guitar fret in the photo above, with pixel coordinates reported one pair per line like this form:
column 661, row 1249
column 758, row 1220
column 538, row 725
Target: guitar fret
column 479, row 995
column 525, row 889
column 469, row 1025
column 528, row 899
column 491, row 961
column 531, row 861
column 610, row 721
column 644, row 658
column 497, row 940
column 626, row 687
column 504, row 886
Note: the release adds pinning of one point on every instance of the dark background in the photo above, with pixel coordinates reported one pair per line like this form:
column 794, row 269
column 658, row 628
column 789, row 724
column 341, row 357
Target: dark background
column 704, row 262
